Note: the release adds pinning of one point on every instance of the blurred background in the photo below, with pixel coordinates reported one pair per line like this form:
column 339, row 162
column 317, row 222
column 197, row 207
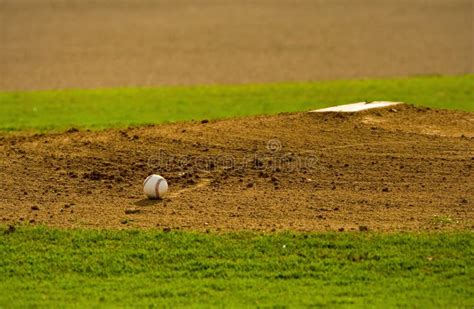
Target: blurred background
column 49, row 44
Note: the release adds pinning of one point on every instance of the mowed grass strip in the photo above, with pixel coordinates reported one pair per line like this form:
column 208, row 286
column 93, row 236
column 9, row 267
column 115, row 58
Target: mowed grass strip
column 85, row 268
column 104, row 108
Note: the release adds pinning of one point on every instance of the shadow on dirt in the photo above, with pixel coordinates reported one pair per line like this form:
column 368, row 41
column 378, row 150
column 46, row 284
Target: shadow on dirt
column 147, row 202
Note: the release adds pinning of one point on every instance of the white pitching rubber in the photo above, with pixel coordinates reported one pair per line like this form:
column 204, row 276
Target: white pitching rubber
column 356, row 107
column 155, row 186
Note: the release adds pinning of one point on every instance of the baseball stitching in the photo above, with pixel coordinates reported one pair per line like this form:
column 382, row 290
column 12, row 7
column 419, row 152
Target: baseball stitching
column 157, row 187
column 146, row 180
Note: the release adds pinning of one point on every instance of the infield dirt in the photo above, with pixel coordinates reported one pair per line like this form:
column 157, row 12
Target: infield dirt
column 100, row 43
column 403, row 168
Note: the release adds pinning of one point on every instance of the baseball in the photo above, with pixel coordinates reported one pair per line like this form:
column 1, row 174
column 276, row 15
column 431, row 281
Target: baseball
column 155, row 186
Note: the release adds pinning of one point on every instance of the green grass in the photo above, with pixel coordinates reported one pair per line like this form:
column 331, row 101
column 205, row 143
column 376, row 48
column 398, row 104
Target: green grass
column 104, row 108
column 87, row 268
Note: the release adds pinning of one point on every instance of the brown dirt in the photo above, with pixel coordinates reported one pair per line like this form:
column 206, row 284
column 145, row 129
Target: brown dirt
column 388, row 170
column 103, row 43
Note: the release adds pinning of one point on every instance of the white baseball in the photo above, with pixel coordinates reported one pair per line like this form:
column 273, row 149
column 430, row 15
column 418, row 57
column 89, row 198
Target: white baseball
column 155, row 186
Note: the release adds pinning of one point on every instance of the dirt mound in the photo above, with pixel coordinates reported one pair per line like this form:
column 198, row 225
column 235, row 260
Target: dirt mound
column 394, row 169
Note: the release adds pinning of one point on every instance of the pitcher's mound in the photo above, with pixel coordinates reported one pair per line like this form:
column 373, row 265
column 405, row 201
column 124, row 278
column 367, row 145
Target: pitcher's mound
column 389, row 169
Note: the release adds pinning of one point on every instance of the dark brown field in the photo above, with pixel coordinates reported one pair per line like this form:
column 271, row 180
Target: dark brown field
column 403, row 169
column 105, row 43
